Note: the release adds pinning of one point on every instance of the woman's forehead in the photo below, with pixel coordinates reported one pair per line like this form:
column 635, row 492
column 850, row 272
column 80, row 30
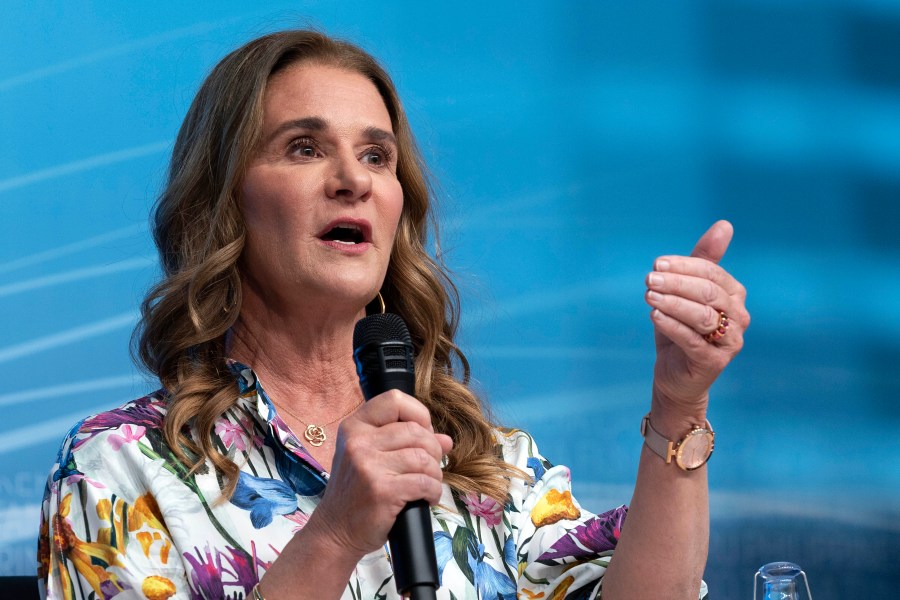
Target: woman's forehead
column 340, row 97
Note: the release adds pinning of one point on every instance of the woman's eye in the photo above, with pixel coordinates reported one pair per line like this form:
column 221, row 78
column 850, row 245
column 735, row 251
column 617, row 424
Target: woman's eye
column 376, row 157
column 373, row 158
column 303, row 148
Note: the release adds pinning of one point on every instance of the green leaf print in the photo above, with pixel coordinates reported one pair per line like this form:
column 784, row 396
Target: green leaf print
column 464, row 543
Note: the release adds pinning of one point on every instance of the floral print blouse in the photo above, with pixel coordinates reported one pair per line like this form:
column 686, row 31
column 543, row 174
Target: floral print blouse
column 122, row 518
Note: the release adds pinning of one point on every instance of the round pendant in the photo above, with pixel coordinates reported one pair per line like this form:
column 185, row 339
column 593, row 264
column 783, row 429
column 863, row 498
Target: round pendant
column 315, row 435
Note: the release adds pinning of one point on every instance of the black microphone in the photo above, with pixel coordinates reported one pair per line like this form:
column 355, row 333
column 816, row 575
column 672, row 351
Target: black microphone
column 384, row 357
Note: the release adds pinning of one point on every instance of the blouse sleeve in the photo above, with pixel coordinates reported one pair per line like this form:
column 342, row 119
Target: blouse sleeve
column 97, row 542
column 562, row 549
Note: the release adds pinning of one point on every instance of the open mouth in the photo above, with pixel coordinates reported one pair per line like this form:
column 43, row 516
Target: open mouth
column 345, row 233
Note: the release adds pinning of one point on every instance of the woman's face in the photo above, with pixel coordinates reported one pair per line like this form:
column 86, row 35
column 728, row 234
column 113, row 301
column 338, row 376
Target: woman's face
column 321, row 199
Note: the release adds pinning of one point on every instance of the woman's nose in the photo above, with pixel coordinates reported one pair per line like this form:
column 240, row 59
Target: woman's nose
column 349, row 180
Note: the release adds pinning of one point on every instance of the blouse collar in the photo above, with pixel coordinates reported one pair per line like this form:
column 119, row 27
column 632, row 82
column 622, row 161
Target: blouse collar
column 258, row 403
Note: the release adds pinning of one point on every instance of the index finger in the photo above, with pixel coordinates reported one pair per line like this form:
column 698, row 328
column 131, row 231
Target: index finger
column 392, row 406
column 700, row 267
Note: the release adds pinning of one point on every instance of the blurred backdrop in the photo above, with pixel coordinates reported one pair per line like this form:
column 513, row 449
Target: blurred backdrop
column 573, row 143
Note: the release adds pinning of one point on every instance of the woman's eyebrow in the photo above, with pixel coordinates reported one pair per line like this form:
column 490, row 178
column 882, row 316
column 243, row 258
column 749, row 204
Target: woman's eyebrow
column 308, row 123
column 376, row 134
column 318, row 124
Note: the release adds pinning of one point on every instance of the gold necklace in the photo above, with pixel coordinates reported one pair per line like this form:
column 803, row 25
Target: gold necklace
column 315, row 434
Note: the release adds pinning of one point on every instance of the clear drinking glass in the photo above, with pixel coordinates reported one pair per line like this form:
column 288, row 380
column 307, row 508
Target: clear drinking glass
column 780, row 581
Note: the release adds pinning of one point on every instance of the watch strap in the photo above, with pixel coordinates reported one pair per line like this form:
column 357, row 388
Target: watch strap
column 662, row 446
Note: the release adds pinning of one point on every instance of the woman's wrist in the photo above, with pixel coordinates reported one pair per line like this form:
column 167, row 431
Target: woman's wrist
column 673, row 419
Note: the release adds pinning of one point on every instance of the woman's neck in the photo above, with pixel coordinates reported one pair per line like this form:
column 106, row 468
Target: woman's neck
column 304, row 362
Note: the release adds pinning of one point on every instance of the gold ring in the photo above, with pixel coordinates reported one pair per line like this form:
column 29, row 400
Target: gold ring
column 721, row 329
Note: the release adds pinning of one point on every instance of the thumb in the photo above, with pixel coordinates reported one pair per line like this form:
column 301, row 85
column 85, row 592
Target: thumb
column 713, row 244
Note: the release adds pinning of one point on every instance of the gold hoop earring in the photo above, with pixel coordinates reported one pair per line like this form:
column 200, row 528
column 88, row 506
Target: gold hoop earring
column 376, row 305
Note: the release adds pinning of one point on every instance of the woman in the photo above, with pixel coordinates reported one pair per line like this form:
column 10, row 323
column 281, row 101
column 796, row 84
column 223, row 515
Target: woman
column 295, row 199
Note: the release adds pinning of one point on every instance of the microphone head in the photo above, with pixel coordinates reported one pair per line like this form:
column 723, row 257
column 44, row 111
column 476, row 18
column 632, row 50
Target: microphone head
column 378, row 328
column 383, row 352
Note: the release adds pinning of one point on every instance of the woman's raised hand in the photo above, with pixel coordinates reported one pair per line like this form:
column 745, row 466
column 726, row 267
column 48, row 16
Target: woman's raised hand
column 387, row 454
column 699, row 318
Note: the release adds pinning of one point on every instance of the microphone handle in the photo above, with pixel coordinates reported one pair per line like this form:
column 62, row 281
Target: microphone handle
column 422, row 592
column 412, row 552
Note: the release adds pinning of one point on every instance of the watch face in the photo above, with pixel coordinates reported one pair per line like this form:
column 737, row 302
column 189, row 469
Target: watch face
column 695, row 450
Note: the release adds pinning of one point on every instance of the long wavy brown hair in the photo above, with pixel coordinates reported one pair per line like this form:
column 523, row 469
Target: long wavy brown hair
column 200, row 233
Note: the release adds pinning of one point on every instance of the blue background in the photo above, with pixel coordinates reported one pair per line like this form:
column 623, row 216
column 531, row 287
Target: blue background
column 573, row 143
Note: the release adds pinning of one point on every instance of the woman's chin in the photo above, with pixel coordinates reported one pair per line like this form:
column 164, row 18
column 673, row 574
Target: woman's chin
column 350, row 298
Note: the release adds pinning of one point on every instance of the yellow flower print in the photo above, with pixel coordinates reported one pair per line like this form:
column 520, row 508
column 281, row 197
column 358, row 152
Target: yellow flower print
column 164, row 551
column 88, row 558
column 104, row 507
column 146, row 539
column 552, row 507
column 145, row 510
column 560, row 592
column 529, row 595
column 64, row 505
column 156, row 587
column 44, row 549
column 113, row 536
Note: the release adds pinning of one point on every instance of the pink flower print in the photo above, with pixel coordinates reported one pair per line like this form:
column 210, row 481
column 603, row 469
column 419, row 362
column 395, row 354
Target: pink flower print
column 488, row 509
column 231, row 434
column 73, row 479
column 298, row 517
column 132, row 434
column 255, row 437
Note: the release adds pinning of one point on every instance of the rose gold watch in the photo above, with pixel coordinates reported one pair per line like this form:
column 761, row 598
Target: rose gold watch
column 691, row 452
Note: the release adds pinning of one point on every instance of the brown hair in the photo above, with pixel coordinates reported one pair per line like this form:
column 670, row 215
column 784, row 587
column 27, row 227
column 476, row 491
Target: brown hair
column 199, row 231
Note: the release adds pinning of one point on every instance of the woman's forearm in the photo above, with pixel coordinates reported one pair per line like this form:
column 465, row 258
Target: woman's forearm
column 664, row 541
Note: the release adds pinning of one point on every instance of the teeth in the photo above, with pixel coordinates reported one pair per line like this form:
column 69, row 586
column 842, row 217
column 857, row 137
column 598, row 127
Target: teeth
column 345, row 243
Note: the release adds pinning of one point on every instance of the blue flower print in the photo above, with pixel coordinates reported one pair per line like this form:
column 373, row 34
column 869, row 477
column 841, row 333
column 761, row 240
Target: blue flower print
column 469, row 555
column 535, row 465
column 490, row 582
column 443, row 547
column 298, row 475
column 264, row 498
